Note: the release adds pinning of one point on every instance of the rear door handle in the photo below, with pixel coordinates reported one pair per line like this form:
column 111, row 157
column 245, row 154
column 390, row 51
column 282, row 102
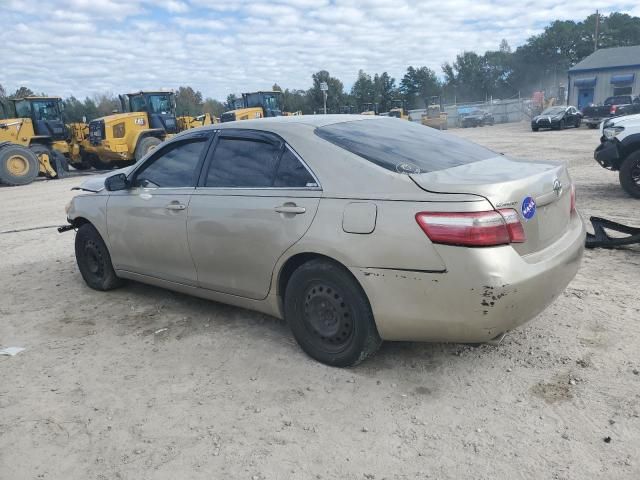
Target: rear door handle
column 175, row 206
column 294, row 209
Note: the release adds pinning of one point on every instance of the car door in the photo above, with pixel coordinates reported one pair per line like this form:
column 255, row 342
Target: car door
column 255, row 199
column 147, row 223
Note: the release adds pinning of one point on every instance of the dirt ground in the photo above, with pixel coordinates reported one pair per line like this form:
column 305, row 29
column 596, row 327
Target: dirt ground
column 142, row 383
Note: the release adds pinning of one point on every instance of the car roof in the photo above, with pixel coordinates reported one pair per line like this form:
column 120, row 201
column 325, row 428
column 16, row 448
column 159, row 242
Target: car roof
column 293, row 122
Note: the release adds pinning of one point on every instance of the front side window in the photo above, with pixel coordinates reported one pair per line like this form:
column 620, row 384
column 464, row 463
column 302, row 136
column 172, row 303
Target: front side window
column 243, row 163
column 174, row 166
column 137, row 104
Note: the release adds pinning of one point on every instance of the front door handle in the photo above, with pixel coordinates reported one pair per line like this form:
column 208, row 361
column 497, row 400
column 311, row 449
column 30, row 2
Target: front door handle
column 175, row 206
column 290, row 208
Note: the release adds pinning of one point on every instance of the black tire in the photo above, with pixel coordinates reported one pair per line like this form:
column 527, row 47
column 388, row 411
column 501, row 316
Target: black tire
column 329, row 314
column 98, row 164
column 630, row 174
column 81, row 165
column 94, row 261
column 534, row 129
column 18, row 165
column 578, row 122
column 592, row 126
column 562, row 125
column 145, row 145
column 60, row 164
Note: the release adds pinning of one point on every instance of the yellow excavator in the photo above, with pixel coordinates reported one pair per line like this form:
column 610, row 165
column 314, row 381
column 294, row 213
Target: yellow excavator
column 255, row 105
column 35, row 141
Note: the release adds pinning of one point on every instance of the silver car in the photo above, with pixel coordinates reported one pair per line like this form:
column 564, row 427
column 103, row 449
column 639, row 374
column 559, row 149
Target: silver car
column 355, row 229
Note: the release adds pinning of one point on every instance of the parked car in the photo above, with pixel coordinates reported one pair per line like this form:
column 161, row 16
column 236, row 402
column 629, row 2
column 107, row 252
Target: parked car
column 615, row 106
column 477, row 118
column 557, row 118
column 355, row 229
column 619, row 150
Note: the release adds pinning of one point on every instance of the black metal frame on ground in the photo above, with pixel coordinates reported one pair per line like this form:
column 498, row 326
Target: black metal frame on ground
column 599, row 237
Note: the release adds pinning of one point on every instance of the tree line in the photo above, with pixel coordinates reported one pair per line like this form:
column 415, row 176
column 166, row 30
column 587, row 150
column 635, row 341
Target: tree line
column 541, row 63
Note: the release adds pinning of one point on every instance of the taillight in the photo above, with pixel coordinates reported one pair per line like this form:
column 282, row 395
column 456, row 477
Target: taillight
column 472, row 229
column 573, row 198
column 613, row 109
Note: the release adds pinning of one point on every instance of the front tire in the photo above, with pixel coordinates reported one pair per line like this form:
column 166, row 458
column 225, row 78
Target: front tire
column 329, row 314
column 94, row 260
column 145, row 146
column 629, row 174
column 18, row 165
column 97, row 163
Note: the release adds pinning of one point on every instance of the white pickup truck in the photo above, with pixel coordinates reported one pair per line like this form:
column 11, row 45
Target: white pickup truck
column 619, row 150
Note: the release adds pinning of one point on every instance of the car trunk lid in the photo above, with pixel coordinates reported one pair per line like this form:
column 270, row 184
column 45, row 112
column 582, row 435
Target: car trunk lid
column 539, row 191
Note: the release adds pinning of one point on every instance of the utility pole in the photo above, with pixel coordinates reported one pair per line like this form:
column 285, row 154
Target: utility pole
column 595, row 42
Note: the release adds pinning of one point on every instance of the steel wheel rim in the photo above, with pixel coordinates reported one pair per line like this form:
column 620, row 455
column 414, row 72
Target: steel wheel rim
column 18, row 165
column 94, row 259
column 327, row 317
column 635, row 173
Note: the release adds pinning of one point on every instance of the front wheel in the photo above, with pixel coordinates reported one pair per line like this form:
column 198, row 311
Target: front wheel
column 630, row 174
column 94, row 260
column 145, row 146
column 329, row 314
column 578, row 122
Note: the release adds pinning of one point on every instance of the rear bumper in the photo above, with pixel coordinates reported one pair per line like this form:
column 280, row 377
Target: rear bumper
column 490, row 292
column 607, row 154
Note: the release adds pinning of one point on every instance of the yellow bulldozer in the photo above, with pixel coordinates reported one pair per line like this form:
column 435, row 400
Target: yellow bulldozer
column 398, row 110
column 435, row 116
column 121, row 139
column 35, row 141
column 255, row 105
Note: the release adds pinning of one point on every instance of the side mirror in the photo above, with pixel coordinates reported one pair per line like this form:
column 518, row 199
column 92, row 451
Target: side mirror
column 116, row 182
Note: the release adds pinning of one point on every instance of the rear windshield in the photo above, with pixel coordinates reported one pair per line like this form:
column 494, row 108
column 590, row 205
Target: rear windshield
column 403, row 146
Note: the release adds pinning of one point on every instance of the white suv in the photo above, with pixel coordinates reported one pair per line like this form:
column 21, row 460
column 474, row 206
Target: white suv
column 619, row 149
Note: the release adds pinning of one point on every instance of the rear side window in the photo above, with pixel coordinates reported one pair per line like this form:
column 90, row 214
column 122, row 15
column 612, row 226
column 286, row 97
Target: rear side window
column 243, row 163
column 174, row 166
column 292, row 173
column 403, row 146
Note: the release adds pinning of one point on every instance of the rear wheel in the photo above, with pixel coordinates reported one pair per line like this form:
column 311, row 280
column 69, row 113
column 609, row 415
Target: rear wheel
column 330, row 315
column 630, row 174
column 534, row 129
column 145, row 146
column 578, row 122
column 18, row 165
column 94, row 260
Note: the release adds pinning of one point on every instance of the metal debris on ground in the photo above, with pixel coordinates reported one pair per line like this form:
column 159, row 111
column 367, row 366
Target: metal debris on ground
column 599, row 237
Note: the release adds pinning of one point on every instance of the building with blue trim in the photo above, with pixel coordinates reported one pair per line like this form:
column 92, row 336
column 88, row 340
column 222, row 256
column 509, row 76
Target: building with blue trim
column 606, row 72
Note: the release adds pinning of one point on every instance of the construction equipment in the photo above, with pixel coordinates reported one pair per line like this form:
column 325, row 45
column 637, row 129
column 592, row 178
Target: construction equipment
column 35, row 141
column 369, row 109
column 187, row 122
column 121, row 139
column 435, row 116
column 398, row 110
column 255, row 105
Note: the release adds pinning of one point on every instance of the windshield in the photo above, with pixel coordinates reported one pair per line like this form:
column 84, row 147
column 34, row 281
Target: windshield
column 553, row 111
column 403, row 147
column 23, row 109
column 152, row 103
column 618, row 100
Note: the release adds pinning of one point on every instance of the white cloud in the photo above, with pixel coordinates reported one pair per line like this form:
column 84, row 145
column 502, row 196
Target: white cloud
column 82, row 47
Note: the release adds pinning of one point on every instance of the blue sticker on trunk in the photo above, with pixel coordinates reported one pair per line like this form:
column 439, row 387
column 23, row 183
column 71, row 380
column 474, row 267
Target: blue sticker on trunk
column 528, row 208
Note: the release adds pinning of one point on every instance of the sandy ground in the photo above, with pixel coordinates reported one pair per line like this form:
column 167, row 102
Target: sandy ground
column 141, row 383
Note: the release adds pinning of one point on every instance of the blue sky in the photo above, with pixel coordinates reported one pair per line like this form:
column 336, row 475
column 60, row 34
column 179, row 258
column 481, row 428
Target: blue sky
column 87, row 47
